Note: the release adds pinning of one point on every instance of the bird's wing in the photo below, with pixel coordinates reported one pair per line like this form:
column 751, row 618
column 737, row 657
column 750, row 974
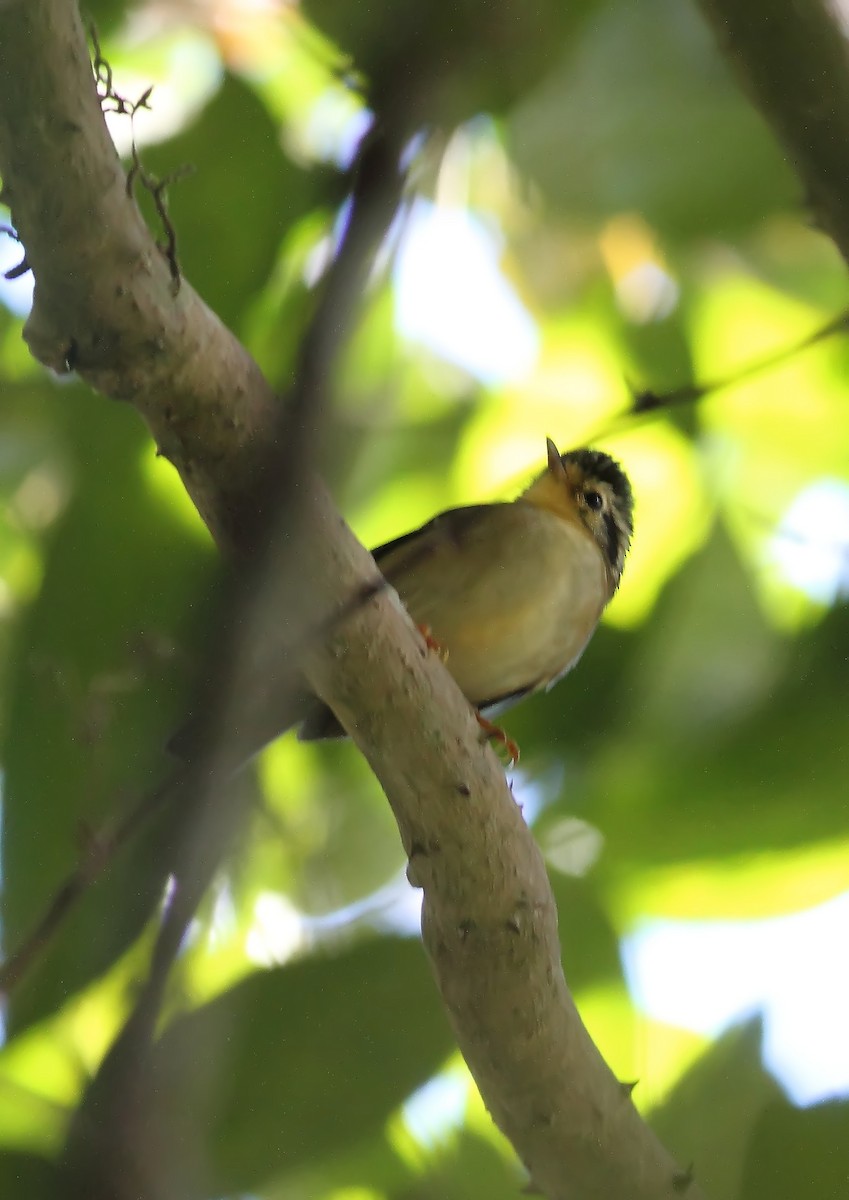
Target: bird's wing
column 458, row 575
column 512, row 593
column 451, row 527
column 429, row 564
column 413, row 564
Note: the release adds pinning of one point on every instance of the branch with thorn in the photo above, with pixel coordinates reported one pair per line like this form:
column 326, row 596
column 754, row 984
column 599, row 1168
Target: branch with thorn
column 23, row 266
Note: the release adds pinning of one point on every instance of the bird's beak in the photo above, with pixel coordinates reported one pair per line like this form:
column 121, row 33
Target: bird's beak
column 555, row 462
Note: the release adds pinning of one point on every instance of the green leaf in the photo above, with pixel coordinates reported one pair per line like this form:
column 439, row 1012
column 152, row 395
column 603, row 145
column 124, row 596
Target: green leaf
column 475, row 56
column 708, row 1118
column 590, row 944
column 724, row 738
column 642, row 115
column 285, row 1069
column 310, row 1057
column 27, row 1177
column 97, row 686
column 242, row 196
column 799, row 1153
column 467, row 1168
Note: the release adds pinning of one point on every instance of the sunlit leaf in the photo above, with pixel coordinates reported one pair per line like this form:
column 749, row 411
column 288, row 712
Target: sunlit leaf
column 709, row 1117
column 671, row 139
column 289, row 1066
column 94, row 694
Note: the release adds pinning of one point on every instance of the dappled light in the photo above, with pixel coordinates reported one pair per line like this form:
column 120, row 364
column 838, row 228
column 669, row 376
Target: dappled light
column 584, row 234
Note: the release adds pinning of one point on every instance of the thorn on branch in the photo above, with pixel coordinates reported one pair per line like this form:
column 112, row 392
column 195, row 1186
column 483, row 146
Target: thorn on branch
column 627, row 1087
column 16, row 272
column 23, row 266
column 682, row 1180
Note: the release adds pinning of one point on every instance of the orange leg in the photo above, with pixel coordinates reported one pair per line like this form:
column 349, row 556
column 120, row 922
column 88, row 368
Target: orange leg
column 495, row 732
column 431, row 642
column 498, row 735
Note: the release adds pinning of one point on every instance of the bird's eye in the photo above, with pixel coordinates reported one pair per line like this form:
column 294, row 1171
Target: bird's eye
column 593, row 500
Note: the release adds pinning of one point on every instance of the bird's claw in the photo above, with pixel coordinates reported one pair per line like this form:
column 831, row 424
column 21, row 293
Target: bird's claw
column 497, row 734
column 431, row 642
column 493, row 732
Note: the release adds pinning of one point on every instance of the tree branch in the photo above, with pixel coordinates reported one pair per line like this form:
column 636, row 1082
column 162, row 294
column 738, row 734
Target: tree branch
column 104, row 300
column 793, row 60
column 105, row 306
column 489, row 920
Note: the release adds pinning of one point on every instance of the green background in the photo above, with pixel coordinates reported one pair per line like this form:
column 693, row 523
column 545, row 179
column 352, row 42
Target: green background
column 700, row 749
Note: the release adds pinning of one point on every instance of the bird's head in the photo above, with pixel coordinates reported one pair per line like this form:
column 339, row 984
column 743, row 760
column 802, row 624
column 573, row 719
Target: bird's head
column 589, row 484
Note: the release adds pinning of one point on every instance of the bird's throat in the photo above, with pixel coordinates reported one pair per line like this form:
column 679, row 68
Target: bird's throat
column 550, row 494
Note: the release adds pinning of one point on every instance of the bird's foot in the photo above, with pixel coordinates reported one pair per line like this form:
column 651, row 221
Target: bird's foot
column 431, row 642
column 497, row 734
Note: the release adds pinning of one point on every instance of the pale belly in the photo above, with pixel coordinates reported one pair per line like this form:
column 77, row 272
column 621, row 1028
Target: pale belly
column 513, row 612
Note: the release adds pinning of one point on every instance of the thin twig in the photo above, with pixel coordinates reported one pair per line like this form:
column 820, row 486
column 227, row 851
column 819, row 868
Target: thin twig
column 100, row 849
column 377, row 188
column 350, row 266
column 112, row 101
column 209, row 820
column 649, row 401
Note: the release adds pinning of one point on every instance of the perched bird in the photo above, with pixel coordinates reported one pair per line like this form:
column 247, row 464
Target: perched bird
column 512, row 592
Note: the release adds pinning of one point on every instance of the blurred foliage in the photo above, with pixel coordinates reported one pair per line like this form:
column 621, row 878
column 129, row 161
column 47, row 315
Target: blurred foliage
column 641, row 230
column 798, row 1154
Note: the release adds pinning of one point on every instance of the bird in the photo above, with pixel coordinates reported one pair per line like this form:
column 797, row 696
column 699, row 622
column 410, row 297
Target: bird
column 511, row 593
